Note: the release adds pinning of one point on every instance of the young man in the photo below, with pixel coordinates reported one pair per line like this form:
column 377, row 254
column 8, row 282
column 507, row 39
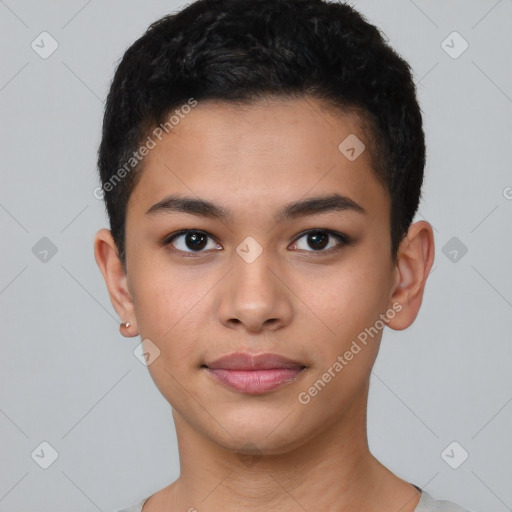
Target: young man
column 261, row 164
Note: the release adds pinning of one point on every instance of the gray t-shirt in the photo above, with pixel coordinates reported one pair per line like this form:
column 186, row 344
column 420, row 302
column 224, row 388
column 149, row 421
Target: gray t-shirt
column 426, row 504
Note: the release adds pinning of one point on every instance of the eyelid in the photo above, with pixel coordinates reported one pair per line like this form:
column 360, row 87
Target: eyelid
column 170, row 238
column 336, row 234
column 342, row 238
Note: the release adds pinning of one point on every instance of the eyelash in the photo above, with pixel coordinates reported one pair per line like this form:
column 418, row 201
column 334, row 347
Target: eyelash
column 341, row 237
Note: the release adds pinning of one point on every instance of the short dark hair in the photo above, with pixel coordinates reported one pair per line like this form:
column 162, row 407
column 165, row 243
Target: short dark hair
column 239, row 51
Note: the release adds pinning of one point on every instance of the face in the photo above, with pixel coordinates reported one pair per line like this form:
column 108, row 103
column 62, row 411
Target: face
column 304, row 284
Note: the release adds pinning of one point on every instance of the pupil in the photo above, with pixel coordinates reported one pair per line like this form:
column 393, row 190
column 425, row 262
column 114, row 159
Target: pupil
column 195, row 240
column 317, row 240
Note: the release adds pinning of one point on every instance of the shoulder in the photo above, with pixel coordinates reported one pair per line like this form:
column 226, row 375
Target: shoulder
column 429, row 504
column 426, row 504
column 135, row 508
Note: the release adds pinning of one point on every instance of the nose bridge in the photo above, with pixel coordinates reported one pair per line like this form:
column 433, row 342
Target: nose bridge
column 253, row 279
column 254, row 294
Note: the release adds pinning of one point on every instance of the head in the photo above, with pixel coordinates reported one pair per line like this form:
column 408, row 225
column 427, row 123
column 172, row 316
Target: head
column 287, row 122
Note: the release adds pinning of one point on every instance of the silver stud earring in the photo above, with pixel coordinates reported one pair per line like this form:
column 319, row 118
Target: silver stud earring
column 125, row 324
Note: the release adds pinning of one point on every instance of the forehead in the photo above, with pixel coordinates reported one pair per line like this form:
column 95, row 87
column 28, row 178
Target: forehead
column 252, row 158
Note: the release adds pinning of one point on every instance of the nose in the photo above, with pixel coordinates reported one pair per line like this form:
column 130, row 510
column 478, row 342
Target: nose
column 254, row 296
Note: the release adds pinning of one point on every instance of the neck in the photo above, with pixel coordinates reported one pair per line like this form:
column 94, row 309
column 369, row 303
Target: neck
column 332, row 470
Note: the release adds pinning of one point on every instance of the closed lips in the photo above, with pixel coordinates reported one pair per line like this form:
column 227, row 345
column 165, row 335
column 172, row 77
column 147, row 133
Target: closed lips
column 246, row 362
column 254, row 374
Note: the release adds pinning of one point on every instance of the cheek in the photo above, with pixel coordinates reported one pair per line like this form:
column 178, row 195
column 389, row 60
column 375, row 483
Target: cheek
column 170, row 307
column 160, row 295
column 171, row 316
column 346, row 300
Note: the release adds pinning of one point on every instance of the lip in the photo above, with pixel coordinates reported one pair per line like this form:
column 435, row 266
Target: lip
column 254, row 374
column 246, row 361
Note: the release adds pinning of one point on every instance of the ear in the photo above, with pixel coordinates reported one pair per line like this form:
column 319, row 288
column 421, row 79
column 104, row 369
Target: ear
column 414, row 261
column 107, row 258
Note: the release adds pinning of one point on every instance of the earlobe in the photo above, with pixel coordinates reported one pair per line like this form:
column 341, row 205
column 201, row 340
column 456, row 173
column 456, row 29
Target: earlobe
column 109, row 263
column 415, row 259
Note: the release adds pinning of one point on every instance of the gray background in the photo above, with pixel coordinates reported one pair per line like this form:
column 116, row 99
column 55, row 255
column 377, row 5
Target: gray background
column 69, row 378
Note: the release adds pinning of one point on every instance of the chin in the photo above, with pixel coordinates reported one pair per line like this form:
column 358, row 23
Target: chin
column 270, row 435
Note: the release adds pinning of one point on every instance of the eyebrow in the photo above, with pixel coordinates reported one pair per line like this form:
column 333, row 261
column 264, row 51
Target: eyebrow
column 204, row 208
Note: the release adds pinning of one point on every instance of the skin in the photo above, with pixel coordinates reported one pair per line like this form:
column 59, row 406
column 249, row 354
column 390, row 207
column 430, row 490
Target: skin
column 266, row 452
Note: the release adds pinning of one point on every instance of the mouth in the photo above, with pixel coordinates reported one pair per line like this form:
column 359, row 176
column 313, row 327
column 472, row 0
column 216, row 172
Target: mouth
column 254, row 374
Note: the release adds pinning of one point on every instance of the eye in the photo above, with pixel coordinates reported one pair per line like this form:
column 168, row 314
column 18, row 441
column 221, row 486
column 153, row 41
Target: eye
column 318, row 239
column 191, row 241
column 195, row 241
